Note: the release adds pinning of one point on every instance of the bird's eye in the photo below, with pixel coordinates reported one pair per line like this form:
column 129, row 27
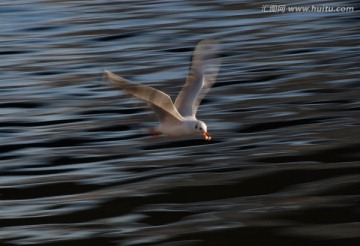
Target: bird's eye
column 196, row 125
column 200, row 129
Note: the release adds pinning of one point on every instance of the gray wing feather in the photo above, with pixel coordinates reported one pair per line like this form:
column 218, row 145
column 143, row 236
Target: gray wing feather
column 202, row 75
column 158, row 100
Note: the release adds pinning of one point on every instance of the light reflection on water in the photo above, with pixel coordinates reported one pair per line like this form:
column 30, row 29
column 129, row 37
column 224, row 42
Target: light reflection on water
column 77, row 166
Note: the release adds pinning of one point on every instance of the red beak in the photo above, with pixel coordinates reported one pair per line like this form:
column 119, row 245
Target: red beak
column 206, row 136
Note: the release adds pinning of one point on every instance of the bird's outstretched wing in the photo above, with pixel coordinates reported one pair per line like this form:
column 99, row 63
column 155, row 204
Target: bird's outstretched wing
column 159, row 101
column 202, row 75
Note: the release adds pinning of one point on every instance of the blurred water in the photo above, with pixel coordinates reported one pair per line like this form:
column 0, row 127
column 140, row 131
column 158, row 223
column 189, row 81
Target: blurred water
column 77, row 168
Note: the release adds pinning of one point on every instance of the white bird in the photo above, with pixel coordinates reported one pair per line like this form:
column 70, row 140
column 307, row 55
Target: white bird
column 179, row 118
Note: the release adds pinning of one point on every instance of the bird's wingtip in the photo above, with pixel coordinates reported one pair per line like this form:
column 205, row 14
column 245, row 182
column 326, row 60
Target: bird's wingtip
column 106, row 73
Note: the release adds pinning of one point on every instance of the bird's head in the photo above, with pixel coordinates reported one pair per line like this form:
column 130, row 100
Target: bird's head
column 201, row 127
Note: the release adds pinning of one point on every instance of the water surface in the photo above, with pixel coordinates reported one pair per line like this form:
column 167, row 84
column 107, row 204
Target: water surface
column 77, row 167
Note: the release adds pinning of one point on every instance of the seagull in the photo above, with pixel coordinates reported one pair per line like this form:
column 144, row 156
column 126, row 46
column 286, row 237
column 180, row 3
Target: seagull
column 179, row 118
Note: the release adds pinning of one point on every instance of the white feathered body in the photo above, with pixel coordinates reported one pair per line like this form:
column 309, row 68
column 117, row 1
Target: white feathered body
column 187, row 127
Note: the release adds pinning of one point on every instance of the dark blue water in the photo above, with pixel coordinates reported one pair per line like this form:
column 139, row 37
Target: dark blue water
column 77, row 167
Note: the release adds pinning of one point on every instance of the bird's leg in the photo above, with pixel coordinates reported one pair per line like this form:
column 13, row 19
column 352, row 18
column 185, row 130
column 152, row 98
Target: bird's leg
column 155, row 132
